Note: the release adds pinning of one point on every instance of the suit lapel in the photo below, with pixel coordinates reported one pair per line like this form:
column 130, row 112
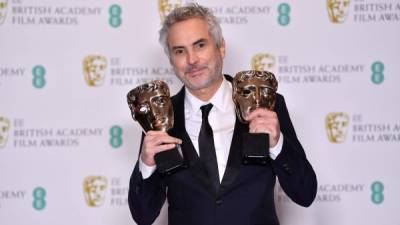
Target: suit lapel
column 235, row 154
column 234, row 158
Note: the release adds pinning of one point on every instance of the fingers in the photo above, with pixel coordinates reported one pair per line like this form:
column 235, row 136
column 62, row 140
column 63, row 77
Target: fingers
column 261, row 112
column 260, row 125
column 160, row 137
column 155, row 142
column 264, row 121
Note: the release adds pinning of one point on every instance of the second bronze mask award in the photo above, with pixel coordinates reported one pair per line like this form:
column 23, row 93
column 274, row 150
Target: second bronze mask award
column 254, row 89
column 151, row 107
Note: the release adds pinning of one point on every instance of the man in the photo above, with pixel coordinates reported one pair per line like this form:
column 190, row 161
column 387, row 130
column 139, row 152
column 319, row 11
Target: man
column 193, row 41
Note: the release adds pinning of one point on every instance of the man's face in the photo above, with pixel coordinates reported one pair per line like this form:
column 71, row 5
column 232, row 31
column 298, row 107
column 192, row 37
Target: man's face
column 196, row 59
column 338, row 10
column 4, row 128
column 337, row 127
column 3, row 10
column 95, row 71
column 252, row 92
column 152, row 108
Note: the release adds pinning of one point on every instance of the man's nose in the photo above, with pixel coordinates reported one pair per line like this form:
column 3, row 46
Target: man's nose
column 192, row 57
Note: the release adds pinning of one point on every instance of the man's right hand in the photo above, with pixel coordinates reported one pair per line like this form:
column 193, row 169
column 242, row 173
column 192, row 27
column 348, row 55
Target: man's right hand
column 155, row 142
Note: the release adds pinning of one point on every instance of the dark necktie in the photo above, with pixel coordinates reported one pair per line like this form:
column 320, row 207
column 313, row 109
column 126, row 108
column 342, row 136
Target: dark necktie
column 207, row 149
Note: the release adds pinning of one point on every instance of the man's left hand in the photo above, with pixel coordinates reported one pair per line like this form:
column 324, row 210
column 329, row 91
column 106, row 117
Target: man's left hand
column 263, row 120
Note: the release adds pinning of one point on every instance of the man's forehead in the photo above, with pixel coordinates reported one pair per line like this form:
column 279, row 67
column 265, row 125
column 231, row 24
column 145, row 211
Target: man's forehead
column 188, row 32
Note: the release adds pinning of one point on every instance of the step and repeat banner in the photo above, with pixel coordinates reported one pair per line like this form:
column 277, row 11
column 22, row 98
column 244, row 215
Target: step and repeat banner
column 68, row 143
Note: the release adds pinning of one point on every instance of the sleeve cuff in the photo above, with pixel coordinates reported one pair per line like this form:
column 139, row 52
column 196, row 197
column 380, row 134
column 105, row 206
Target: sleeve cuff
column 146, row 170
column 274, row 151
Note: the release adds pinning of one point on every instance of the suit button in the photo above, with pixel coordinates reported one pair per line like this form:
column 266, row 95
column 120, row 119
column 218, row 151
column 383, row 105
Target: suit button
column 287, row 168
column 218, row 202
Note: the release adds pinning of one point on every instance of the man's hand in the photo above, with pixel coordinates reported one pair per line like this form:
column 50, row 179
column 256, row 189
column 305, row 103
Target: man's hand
column 264, row 120
column 155, row 142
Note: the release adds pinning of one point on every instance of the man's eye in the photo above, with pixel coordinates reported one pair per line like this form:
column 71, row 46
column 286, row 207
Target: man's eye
column 264, row 91
column 178, row 52
column 201, row 45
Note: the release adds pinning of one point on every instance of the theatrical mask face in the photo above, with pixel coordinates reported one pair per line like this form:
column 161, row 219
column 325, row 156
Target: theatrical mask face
column 95, row 189
column 3, row 10
column 253, row 89
column 166, row 6
column 94, row 68
column 151, row 106
column 4, row 129
column 338, row 10
column 336, row 126
column 262, row 61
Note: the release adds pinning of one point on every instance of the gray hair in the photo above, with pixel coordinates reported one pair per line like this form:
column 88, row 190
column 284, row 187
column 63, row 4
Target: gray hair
column 192, row 10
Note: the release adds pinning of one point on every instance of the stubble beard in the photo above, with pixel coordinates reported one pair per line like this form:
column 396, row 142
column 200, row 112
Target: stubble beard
column 213, row 76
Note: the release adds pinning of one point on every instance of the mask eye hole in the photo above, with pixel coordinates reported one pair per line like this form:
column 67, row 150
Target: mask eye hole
column 245, row 92
column 144, row 109
column 265, row 91
column 160, row 101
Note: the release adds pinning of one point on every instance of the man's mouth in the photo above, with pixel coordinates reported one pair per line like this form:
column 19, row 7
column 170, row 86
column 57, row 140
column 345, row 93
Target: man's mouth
column 195, row 71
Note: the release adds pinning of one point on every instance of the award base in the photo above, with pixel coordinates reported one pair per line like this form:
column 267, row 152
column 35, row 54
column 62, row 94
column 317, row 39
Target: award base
column 255, row 148
column 169, row 161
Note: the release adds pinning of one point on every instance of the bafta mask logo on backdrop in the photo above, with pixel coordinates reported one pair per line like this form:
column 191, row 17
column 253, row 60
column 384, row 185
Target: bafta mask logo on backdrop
column 338, row 10
column 4, row 129
column 94, row 189
column 3, row 10
column 94, row 69
column 166, row 6
column 336, row 124
column 262, row 61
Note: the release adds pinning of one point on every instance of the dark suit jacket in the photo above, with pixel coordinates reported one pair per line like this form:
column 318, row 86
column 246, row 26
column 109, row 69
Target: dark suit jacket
column 246, row 194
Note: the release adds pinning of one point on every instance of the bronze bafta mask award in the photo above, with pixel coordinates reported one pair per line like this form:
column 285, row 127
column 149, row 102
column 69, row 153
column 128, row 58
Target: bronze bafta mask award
column 254, row 89
column 151, row 107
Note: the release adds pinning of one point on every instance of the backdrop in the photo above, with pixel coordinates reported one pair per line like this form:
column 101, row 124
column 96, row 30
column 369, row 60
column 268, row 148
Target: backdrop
column 68, row 143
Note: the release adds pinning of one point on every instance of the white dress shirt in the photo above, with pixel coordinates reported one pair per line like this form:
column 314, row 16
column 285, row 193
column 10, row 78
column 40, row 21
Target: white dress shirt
column 222, row 121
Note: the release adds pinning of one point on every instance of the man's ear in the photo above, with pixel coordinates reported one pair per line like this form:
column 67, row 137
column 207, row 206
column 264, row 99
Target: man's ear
column 222, row 49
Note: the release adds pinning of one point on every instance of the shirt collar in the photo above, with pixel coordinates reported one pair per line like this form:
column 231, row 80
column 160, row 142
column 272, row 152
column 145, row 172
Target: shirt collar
column 219, row 100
